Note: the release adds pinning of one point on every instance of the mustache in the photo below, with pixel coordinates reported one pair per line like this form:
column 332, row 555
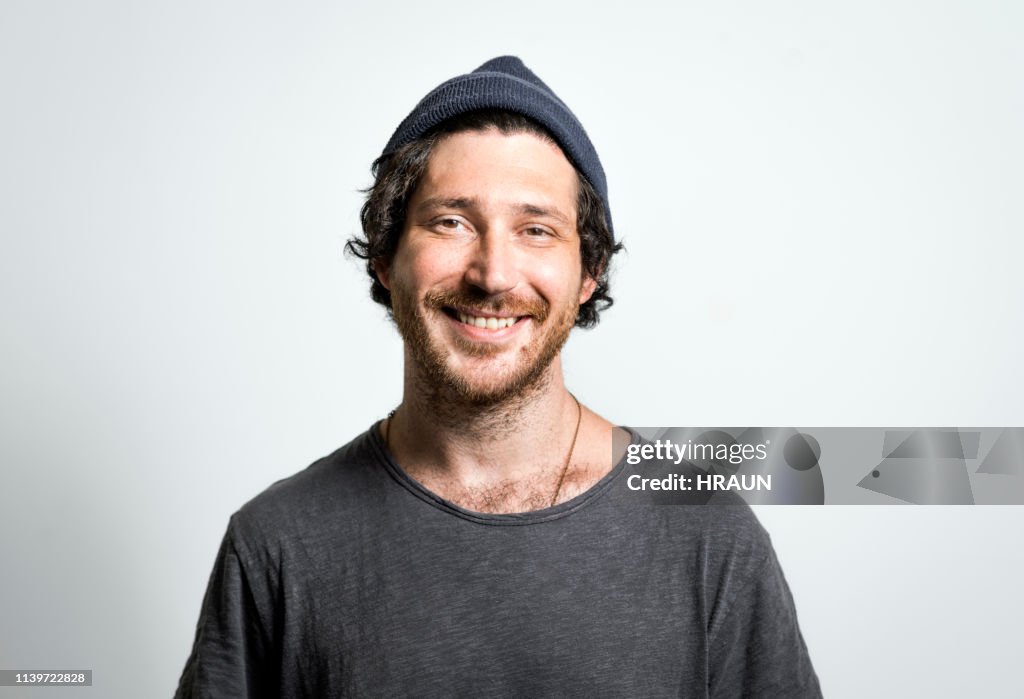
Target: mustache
column 504, row 304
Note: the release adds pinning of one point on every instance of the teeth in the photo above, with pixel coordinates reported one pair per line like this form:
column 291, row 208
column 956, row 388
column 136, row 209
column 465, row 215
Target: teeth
column 489, row 323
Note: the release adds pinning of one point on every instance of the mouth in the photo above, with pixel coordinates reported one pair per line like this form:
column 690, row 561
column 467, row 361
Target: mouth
column 480, row 319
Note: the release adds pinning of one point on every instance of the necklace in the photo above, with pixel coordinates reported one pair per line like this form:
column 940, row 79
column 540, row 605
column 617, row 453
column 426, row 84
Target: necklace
column 565, row 466
column 572, row 448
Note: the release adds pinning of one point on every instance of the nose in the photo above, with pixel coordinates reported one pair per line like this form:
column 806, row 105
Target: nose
column 492, row 266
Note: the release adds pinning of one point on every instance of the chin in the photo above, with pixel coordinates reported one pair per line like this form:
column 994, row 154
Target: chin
column 491, row 385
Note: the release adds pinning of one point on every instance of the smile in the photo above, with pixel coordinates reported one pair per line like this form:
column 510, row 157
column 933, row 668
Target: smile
column 489, row 322
column 484, row 326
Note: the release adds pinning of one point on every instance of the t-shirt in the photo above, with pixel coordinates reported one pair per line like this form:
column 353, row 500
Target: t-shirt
column 351, row 579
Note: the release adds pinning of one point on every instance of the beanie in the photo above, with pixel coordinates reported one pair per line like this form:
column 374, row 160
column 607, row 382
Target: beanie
column 505, row 83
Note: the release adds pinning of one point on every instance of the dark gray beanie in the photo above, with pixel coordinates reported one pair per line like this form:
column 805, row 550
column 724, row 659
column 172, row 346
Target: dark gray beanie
column 505, row 83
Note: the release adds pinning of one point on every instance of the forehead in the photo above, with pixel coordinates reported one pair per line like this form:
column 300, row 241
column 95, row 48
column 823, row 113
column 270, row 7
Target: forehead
column 500, row 169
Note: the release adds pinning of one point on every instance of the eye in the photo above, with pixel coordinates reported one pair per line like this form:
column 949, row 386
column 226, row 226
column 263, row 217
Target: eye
column 449, row 224
column 538, row 232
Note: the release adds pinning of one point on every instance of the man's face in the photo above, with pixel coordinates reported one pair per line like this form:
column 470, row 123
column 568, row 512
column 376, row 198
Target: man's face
column 487, row 279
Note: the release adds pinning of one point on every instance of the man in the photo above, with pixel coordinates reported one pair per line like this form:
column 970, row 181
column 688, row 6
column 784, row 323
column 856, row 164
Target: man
column 480, row 541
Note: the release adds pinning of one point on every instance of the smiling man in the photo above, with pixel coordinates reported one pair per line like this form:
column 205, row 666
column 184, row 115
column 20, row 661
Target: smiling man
column 486, row 282
column 481, row 541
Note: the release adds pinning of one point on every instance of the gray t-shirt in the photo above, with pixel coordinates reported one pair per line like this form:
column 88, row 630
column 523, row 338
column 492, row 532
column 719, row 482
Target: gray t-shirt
column 351, row 579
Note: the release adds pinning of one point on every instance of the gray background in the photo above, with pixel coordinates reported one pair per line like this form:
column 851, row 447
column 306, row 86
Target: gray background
column 821, row 204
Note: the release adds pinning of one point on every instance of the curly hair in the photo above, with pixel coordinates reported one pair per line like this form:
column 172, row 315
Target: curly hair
column 398, row 174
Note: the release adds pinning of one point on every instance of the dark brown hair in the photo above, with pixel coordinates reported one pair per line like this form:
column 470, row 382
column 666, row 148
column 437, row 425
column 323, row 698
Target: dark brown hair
column 397, row 175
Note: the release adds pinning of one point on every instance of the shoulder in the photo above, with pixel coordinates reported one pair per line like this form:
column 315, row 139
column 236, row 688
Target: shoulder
column 725, row 536
column 718, row 528
column 737, row 550
column 732, row 531
column 731, row 556
column 319, row 496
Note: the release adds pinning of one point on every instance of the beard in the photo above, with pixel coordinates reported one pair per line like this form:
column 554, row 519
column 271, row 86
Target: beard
column 443, row 383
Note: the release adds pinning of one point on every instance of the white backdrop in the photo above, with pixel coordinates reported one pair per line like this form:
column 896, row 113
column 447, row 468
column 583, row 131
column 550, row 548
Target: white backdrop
column 821, row 203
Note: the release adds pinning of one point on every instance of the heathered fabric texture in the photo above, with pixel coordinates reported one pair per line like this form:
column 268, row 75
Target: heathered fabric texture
column 506, row 83
column 349, row 579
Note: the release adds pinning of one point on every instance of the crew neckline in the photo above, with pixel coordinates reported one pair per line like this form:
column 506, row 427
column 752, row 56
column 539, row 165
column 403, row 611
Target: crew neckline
column 547, row 514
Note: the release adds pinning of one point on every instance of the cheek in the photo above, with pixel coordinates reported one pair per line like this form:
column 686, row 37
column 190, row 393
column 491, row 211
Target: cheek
column 425, row 268
column 555, row 278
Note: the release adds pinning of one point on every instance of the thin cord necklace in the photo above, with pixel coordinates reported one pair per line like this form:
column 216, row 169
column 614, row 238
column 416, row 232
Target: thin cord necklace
column 387, row 430
column 565, row 466
column 572, row 448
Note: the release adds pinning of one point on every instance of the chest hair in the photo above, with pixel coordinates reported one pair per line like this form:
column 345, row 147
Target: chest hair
column 513, row 495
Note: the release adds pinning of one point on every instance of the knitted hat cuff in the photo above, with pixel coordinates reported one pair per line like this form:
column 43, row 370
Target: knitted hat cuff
column 523, row 93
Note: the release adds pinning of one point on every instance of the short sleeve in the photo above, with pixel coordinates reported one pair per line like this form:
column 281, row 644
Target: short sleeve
column 231, row 655
column 757, row 650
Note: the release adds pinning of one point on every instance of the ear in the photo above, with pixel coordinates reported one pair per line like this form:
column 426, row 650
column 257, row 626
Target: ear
column 587, row 288
column 382, row 269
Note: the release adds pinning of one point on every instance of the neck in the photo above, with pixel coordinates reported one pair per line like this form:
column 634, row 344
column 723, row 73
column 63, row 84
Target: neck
column 435, row 435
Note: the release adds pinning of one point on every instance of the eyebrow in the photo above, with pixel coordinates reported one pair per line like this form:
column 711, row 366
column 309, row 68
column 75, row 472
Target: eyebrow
column 446, row 203
column 533, row 210
column 463, row 203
